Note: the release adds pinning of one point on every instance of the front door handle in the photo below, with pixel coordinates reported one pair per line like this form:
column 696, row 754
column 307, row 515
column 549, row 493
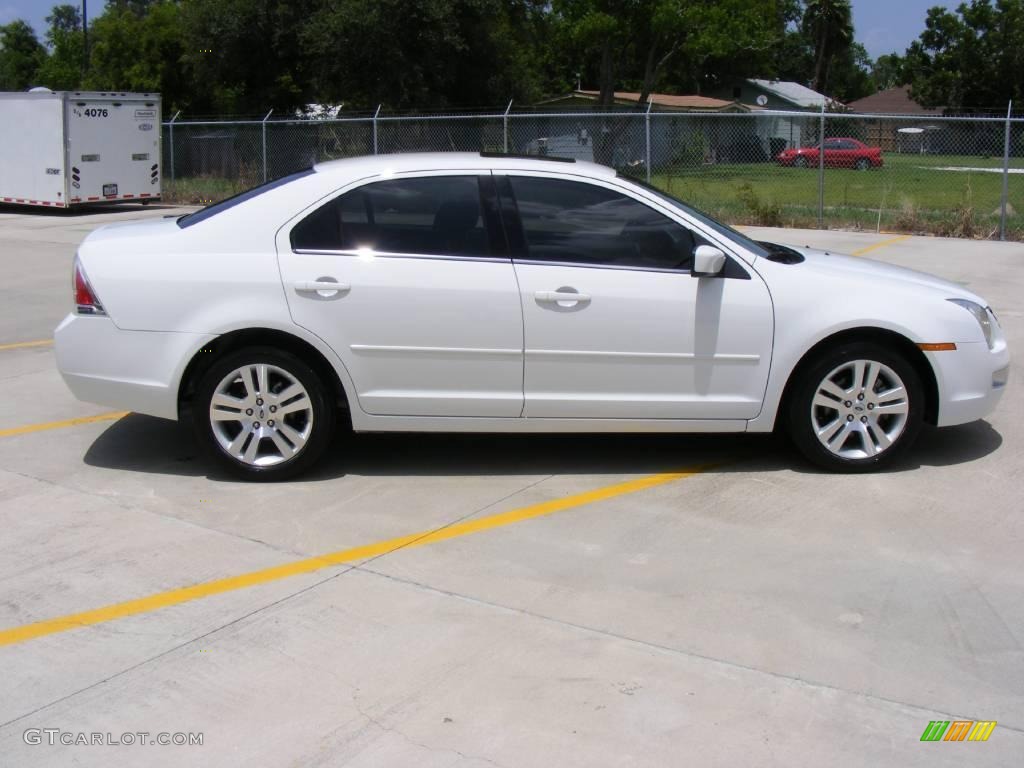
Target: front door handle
column 564, row 297
column 324, row 288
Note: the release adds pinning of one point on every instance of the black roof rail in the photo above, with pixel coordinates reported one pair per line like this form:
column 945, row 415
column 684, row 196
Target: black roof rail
column 522, row 156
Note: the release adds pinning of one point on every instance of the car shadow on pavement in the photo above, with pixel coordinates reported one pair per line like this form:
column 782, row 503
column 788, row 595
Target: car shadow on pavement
column 144, row 444
column 85, row 210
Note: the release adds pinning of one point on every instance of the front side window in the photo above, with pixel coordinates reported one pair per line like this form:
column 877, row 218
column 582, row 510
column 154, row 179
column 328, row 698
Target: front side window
column 436, row 215
column 578, row 223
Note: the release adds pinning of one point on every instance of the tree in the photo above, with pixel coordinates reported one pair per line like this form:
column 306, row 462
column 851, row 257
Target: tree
column 21, row 55
column 139, row 47
column 850, row 74
column 245, row 55
column 428, row 53
column 971, row 58
column 638, row 39
column 62, row 69
column 829, row 25
column 888, row 71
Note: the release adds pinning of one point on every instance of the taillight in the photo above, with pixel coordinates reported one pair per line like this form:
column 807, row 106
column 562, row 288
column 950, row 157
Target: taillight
column 85, row 298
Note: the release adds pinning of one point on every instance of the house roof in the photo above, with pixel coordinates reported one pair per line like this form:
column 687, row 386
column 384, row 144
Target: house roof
column 674, row 101
column 797, row 94
column 892, row 101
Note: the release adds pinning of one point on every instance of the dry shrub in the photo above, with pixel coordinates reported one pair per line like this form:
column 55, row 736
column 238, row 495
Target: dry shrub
column 762, row 213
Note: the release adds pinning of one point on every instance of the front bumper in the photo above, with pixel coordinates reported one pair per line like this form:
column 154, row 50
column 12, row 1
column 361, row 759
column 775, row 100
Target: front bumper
column 971, row 380
column 129, row 370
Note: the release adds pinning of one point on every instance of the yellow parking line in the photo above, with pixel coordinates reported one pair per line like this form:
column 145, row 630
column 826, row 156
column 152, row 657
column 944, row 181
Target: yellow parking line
column 27, row 344
column 46, row 425
column 309, row 565
column 881, row 244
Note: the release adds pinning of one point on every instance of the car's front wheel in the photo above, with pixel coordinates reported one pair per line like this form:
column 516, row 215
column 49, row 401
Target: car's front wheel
column 800, row 162
column 263, row 414
column 856, row 408
column 863, row 164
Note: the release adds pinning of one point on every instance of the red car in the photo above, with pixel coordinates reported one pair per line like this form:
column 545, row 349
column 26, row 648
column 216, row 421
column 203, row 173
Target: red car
column 839, row 153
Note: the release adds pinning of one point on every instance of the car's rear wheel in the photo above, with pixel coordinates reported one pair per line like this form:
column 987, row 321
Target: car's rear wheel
column 800, row 162
column 856, row 408
column 263, row 414
column 863, row 164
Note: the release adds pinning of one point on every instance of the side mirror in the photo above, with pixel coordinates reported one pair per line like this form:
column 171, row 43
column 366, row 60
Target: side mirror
column 708, row 261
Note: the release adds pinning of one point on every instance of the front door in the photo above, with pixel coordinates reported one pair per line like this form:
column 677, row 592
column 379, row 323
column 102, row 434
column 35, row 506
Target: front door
column 615, row 325
column 426, row 313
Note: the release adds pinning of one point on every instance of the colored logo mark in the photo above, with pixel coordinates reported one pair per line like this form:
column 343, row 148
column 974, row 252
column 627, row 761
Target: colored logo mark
column 958, row 730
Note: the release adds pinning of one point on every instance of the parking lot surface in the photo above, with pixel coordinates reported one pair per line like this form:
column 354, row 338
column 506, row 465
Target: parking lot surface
column 475, row 600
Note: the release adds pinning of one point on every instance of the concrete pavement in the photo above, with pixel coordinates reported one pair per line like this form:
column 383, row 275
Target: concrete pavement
column 755, row 613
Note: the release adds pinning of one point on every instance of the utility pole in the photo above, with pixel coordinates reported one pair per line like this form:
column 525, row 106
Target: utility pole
column 85, row 36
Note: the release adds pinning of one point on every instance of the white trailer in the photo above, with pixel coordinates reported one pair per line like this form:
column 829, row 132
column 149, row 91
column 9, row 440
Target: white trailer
column 68, row 148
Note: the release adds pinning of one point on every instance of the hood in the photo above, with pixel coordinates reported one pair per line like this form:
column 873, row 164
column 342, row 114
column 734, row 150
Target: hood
column 834, row 266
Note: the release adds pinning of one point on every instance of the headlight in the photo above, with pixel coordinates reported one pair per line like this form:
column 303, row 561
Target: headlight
column 982, row 316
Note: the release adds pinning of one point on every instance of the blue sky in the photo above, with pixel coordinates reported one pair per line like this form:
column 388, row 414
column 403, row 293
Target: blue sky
column 882, row 25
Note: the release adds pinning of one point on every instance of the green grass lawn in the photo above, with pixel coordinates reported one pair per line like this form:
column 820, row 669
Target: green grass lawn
column 911, row 192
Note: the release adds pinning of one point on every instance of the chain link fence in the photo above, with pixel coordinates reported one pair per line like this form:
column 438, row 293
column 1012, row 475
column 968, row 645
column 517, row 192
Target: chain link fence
column 955, row 176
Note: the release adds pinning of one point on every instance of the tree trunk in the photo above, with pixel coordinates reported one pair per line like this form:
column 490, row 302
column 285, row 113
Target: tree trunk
column 821, row 61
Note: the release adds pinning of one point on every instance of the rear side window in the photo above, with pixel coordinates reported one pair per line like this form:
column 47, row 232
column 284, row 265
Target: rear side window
column 577, row 223
column 436, row 215
column 212, row 210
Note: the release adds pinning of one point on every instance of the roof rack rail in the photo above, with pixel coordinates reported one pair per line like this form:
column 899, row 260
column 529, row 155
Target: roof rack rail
column 523, row 156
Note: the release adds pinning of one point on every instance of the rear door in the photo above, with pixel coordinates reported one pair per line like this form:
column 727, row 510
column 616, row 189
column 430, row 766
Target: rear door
column 426, row 313
column 113, row 148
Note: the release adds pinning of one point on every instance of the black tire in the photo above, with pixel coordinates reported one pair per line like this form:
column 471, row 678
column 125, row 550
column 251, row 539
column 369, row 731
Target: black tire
column 800, row 162
column 863, row 164
column 804, row 419
column 319, row 429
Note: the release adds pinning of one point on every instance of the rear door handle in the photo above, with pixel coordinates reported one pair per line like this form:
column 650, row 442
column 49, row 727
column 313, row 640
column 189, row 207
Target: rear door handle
column 323, row 288
column 562, row 297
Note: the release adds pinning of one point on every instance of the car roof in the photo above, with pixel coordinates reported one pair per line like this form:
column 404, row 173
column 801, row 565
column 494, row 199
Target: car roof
column 437, row 161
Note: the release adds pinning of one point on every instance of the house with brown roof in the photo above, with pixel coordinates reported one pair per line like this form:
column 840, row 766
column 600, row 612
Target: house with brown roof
column 899, row 134
column 701, row 137
column 659, row 101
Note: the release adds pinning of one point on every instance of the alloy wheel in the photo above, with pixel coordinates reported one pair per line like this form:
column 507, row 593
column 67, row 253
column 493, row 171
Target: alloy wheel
column 860, row 409
column 261, row 415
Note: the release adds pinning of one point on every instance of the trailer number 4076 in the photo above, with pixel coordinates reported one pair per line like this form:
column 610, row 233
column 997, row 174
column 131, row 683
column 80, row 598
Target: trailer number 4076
column 94, row 112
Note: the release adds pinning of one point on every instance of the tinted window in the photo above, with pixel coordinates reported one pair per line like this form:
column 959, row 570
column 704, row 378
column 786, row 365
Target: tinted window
column 722, row 229
column 569, row 221
column 438, row 215
column 212, row 210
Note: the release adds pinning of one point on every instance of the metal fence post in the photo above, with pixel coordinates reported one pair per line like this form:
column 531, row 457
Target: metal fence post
column 170, row 128
column 375, row 116
column 647, row 137
column 821, row 169
column 1006, row 175
column 504, row 124
column 263, row 125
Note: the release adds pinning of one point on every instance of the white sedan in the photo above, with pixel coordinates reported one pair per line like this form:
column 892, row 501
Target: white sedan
column 473, row 292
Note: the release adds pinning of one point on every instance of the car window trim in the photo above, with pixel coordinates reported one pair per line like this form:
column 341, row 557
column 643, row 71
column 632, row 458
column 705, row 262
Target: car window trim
column 363, row 254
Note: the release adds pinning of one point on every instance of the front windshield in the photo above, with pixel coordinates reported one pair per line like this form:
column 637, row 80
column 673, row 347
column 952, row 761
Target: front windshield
column 723, row 229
